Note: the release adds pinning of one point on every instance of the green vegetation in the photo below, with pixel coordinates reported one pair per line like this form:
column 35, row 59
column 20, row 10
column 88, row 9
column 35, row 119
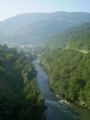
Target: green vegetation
column 36, row 28
column 20, row 98
column 69, row 74
column 74, row 38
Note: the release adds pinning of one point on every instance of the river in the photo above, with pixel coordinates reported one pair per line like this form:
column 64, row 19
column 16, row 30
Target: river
column 55, row 110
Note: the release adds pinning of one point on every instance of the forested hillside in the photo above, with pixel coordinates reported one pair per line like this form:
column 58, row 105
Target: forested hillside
column 35, row 28
column 20, row 98
column 74, row 38
column 69, row 74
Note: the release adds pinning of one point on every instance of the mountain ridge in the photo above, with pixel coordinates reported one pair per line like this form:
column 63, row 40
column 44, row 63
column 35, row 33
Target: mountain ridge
column 77, row 37
column 36, row 28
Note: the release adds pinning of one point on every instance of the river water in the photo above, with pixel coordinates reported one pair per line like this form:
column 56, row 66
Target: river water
column 55, row 110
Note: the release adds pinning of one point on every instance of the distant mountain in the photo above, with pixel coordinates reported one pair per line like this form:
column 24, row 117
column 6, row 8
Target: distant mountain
column 35, row 28
column 74, row 38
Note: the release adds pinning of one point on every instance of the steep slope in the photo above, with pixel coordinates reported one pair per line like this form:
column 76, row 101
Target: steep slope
column 74, row 38
column 35, row 28
column 69, row 75
column 20, row 97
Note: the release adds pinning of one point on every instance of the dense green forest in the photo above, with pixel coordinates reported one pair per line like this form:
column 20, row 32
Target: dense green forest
column 20, row 98
column 74, row 38
column 69, row 74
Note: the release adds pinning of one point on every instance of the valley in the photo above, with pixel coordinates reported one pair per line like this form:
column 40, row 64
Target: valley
column 45, row 66
column 57, row 110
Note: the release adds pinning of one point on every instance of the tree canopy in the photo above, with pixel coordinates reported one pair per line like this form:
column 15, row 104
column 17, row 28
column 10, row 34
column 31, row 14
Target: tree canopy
column 20, row 98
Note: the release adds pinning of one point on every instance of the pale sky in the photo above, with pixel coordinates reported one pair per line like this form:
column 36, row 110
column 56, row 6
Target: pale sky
column 9, row 8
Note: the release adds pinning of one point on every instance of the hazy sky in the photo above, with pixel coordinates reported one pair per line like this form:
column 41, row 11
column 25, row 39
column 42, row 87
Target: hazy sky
column 10, row 8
